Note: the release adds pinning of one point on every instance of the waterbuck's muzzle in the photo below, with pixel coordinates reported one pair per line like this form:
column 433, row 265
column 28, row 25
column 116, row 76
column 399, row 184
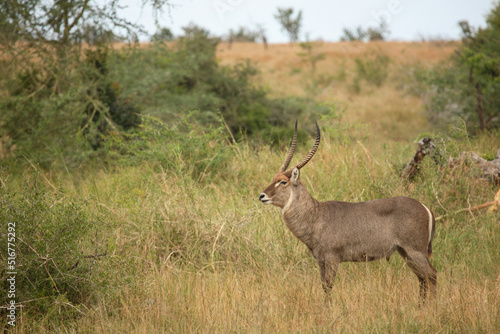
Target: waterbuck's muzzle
column 264, row 199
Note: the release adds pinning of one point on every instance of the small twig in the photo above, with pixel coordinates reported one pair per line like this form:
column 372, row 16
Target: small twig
column 4, row 182
column 368, row 154
column 494, row 206
column 229, row 130
column 52, row 279
column 95, row 256
column 36, row 169
column 74, row 266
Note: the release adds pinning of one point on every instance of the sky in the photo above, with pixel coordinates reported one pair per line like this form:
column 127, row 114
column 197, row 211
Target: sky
column 407, row 19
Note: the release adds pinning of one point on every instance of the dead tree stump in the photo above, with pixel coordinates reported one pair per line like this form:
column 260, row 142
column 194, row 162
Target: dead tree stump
column 425, row 146
column 490, row 170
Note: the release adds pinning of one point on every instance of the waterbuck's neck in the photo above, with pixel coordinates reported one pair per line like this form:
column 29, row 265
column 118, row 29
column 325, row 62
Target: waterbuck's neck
column 300, row 213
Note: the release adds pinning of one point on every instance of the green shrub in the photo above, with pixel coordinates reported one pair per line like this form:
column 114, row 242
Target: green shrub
column 67, row 122
column 49, row 119
column 171, row 82
column 105, row 110
column 244, row 34
column 162, row 35
column 448, row 97
column 52, row 238
column 374, row 71
column 186, row 146
column 379, row 33
column 465, row 87
column 44, row 129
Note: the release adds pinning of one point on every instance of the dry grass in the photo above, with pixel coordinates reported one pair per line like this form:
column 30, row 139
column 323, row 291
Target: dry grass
column 279, row 60
column 374, row 300
column 236, row 268
column 392, row 114
column 282, row 56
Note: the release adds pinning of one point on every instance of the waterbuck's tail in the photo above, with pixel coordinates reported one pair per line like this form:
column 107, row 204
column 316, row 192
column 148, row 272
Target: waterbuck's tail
column 431, row 236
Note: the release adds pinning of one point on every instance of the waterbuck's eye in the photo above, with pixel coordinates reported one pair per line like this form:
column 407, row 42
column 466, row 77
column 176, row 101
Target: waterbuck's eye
column 283, row 183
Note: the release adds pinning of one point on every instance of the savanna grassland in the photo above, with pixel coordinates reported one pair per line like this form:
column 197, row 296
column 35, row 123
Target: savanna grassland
column 388, row 111
column 168, row 235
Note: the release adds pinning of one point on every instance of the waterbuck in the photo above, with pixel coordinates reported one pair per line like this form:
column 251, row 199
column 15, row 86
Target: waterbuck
column 338, row 232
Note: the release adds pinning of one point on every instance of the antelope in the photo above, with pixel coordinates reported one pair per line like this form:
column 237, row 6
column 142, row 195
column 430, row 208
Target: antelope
column 336, row 232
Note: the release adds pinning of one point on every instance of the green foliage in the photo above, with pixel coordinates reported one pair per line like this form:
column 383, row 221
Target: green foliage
column 187, row 147
column 466, row 87
column 43, row 128
column 243, row 34
column 105, row 103
column 288, row 23
column 51, row 93
column 45, row 121
column 198, row 82
column 373, row 70
column 51, row 237
column 371, row 34
column 311, row 55
column 171, row 82
column 442, row 92
column 480, row 56
column 54, row 114
column 162, row 35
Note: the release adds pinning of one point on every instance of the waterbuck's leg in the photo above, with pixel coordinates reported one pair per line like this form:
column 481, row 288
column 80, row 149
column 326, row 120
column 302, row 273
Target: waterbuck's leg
column 328, row 268
column 422, row 267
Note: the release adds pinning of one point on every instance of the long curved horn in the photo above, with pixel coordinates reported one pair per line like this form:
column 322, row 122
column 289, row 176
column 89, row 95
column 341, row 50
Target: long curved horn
column 313, row 150
column 290, row 151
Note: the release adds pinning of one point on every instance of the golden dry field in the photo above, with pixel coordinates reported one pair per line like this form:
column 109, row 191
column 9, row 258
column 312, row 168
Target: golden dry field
column 391, row 112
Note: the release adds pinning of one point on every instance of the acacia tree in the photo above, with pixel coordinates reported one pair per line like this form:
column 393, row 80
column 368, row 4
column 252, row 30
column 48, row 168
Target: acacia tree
column 62, row 25
column 48, row 80
column 466, row 87
column 371, row 34
column 288, row 23
column 480, row 57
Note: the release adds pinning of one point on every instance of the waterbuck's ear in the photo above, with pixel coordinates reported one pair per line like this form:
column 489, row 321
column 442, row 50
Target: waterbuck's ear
column 295, row 176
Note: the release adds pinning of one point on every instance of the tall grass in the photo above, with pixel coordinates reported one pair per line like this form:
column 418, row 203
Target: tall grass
column 191, row 254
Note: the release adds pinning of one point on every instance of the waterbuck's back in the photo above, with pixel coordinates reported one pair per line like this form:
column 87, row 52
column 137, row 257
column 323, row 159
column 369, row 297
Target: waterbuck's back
column 374, row 229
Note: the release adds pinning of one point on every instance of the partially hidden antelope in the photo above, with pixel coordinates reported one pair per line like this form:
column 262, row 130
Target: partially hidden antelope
column 338, row 232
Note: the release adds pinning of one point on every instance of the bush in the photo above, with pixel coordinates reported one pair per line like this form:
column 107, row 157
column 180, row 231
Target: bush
column 244, row 34
column 43, row 129
column 465, row 88
column 107, row 90
column 47, row 116
column 371, row 34
column 105, row 103
column 52, row 235
column 48, row 67
column 162, row 35
column 172, row 82
column 187, row 146
column 374, row 71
